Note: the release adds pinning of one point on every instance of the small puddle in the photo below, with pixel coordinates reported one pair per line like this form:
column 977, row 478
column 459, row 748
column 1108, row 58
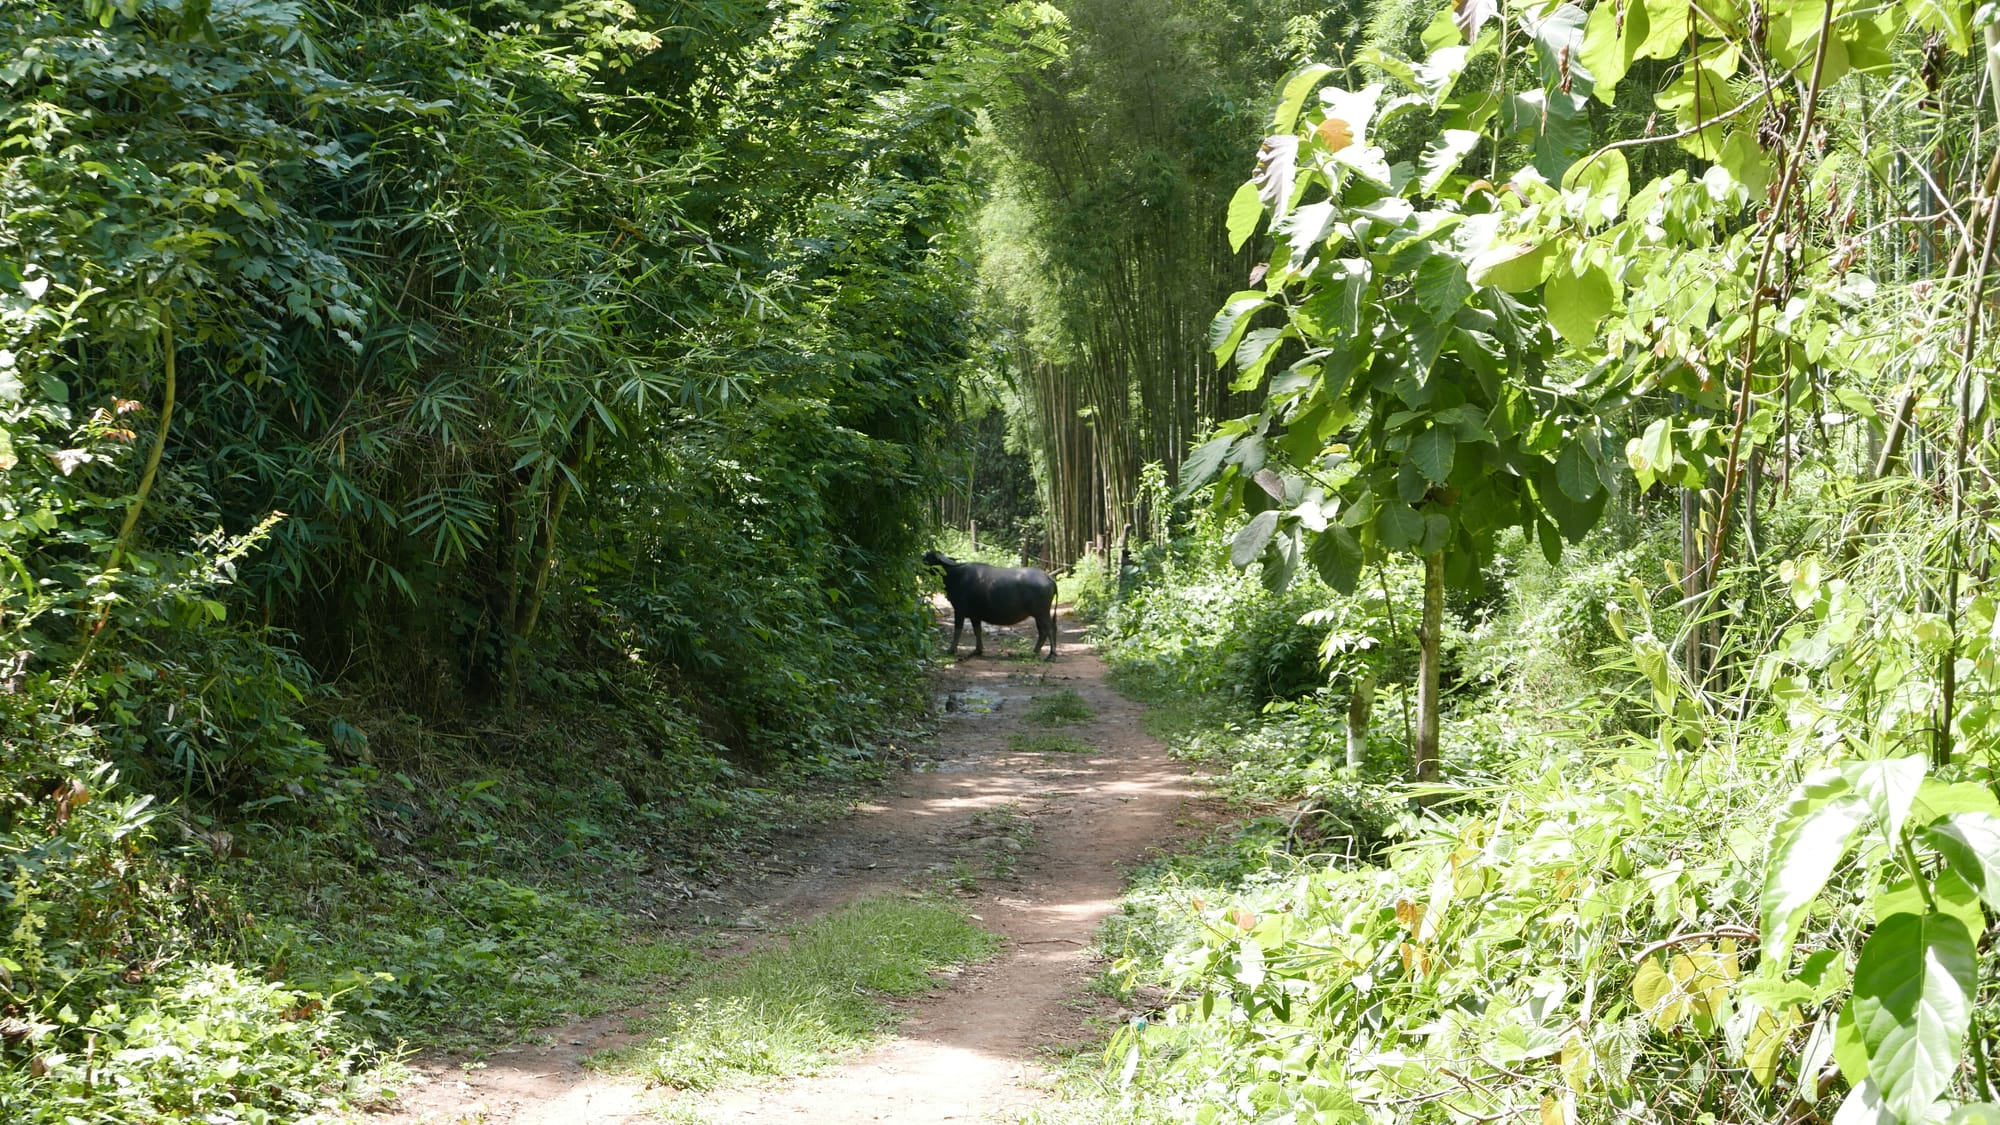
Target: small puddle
column 970, row 701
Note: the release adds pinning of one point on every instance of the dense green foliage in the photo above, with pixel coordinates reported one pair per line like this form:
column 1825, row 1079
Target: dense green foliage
column 1586, row 932
column 448, row 456
column 463, row 470
column 1102, row 241
column 1714, row 847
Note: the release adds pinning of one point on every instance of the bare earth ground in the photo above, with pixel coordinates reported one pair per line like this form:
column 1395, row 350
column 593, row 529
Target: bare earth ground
column 973, row 1050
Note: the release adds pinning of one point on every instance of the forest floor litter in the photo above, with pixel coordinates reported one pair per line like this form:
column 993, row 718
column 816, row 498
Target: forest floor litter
column 1036, row 844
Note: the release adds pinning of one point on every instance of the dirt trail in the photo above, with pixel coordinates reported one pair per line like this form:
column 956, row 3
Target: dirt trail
column 972, row 1050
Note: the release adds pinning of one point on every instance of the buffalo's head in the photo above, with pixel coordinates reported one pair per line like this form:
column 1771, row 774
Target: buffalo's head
column 934, row 558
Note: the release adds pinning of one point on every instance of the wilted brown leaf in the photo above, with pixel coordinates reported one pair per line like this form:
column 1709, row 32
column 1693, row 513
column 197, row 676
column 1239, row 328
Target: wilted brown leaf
column 1335, row 134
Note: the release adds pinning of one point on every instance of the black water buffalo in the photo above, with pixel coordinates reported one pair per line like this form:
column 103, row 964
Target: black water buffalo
column 1000, row 595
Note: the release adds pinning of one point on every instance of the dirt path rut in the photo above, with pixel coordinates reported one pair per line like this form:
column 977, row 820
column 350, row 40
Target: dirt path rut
column 1045, row 837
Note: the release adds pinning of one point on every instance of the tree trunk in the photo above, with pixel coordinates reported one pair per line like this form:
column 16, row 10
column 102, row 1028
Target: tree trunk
column 1425, row 753
column 1360, row 705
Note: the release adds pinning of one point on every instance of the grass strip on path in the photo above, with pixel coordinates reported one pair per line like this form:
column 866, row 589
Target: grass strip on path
column 789, row 1009
column 1060, row 708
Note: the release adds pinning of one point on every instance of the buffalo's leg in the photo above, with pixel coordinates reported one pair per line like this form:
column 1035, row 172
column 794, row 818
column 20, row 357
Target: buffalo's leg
column 957, row 631
column 1045, row 628
column 978, row 639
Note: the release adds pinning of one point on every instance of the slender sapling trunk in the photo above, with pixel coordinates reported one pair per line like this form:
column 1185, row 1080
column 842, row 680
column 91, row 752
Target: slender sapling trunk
column 1428, row 636
column 1360, row 706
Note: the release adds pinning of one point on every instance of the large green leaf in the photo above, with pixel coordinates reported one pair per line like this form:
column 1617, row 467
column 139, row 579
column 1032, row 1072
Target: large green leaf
column 1698, row 97
column 1938, row 799
column 1433, row 451
column 1251, row 540
column 1206, row 460
column 1227, row 330
column 1663, row 34
column 1576, row 475
column 1651, row 454
column 1746, row 162
column 1305, row 227
column 1440, row 285
column 1437, row 533
column 1574, row 517
column 1281, row 563
column 1514, row 266
column 1970, row 842
column 1442, row 156
column 1297, row 88
column 1559, row 124
column 1277, row 168
column 1913, row 992
column 1559, row 38
column 1848, row 1050
column 1812, row 837
column 1607, row 176
column 1246, row 207
column 1337, row 557
column 1576, row 302
column 1348, row 113
column 1602, row 52
column 1889, row 785
column 1864, row 1106
column 1254, row 355
column 1399, row 526
column 1949, row 893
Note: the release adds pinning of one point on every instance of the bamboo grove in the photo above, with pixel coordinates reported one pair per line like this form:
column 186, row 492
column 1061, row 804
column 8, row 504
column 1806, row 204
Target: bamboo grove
column 1102, row 238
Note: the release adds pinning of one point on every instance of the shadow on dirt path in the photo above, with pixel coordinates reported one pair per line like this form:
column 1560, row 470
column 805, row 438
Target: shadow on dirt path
column 1044, row 837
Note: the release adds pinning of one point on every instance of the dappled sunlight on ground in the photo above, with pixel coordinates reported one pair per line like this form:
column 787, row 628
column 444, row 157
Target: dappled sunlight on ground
column 1035, row 844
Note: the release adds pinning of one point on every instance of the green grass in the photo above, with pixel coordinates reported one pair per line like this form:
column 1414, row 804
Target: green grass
column 1061, row 707
column 1048, row 743
column 786, row 1010
column 1174, row 715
